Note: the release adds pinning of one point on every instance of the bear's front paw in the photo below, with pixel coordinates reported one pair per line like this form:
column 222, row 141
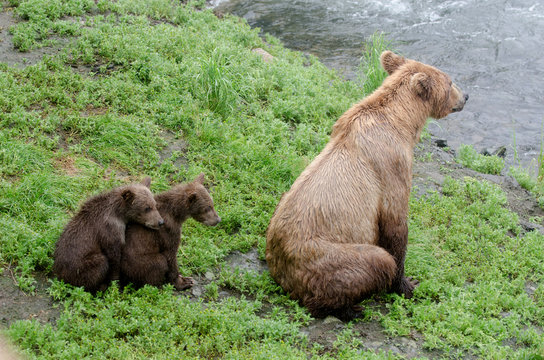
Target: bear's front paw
column 407, row 286
column 182, row 283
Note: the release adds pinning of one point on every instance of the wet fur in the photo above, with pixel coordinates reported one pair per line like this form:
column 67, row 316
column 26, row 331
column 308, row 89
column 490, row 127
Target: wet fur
column 340, row 233
column 150, row 256
column 88, row 252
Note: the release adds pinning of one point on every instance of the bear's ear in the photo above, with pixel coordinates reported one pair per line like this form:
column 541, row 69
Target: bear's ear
column 192, row 198
column 146, row 182
column 127, row 195
column 391, row 61
column 200, row 178
column 421, row 83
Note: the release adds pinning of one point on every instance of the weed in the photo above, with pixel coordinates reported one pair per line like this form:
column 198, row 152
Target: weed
column 468, row 157
column 371, row 73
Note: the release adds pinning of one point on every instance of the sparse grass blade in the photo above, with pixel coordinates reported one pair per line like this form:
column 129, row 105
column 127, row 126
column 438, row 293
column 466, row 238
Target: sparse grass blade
column 371, row 73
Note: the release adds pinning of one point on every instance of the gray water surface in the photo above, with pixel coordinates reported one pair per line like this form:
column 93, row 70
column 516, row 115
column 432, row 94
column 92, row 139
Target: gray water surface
column 494, row 50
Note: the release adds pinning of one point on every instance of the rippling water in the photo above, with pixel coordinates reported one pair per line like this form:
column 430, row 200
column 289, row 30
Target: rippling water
column 494, row 50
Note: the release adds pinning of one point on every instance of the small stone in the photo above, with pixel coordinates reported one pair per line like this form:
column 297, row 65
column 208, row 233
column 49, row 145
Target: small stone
column 373, row 345
column 209, row 275
column 405, row 342
column 500, row 152
column 265, row 55
column 441, row 143
column 395, row 350
column 196, row 291
column 332, row 320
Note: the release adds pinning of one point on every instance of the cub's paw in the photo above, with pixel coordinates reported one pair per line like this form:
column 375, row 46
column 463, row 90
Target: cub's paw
column 182, row 283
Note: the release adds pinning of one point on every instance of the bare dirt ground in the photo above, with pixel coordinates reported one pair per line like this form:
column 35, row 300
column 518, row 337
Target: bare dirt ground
column 430, row 169
column 10, row 55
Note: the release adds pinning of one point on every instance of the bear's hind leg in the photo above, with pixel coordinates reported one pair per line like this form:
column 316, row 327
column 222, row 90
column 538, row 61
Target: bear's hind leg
column 145, row 269
column 92, row 273
column 341, row 279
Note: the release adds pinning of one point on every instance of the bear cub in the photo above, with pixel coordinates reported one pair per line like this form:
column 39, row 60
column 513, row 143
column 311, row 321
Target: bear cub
column 150, row 256
column 88, row 252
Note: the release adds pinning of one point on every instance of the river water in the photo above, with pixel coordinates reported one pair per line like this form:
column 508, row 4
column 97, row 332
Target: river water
column 494, row 50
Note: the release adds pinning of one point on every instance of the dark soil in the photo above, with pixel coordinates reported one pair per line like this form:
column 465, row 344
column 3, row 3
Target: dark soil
column 12, row 56
column 17, row 305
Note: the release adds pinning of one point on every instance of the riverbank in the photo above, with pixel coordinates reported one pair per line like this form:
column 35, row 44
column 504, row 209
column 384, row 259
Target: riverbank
column 165, row 90
column 495, row 62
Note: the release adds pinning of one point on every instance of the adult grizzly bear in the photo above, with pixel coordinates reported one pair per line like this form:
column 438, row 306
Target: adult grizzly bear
column 150, row 256
column 340, row 233
column 88, row 252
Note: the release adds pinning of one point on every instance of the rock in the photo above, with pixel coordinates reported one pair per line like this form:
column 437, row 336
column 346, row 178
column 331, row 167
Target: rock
column 265, row 55
column 500, row 152
column 209, row 275
column 196, row 291
column 441, row 143
column 332, row 320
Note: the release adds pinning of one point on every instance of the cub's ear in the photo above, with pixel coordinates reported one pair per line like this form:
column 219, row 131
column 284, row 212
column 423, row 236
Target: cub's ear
column 127, row 195
column 391, row 61
column 192, row 198
column 421, row 83
column 200, row 178
column 146, row 182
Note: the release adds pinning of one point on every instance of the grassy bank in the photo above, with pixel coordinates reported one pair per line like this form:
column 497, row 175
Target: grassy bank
column 161, row 89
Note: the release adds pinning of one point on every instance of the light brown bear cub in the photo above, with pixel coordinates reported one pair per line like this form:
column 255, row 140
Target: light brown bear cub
column 150, row 256
column 340, row 233
column 88, row 252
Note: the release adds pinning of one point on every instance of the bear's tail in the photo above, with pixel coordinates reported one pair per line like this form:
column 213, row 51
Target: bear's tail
column 343, row 276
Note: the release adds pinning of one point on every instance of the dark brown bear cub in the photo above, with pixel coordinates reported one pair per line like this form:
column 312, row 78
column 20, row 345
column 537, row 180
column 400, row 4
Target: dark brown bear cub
column 149, row 256
column 340, row 233
column 88, row 252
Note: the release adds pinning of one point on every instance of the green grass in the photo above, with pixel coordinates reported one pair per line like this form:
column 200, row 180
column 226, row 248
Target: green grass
column 371, row 73
column 468, row 157
column 96, row 116
column 533, row 183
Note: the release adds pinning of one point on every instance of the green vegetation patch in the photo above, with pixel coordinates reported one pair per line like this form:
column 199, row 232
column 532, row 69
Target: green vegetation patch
column 150, row 322
column 474, row 264
column 468, row 157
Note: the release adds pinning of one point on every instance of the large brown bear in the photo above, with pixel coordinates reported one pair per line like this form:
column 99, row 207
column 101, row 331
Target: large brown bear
column 88, row 252
column 340, row 233
column 150, row 256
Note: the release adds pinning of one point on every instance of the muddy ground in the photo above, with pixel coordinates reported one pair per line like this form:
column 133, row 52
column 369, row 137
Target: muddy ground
column 432, row 165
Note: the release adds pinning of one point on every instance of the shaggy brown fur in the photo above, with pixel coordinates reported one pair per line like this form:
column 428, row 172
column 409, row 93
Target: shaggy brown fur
column 88, row 252
column 340, row 233
column 150, row 256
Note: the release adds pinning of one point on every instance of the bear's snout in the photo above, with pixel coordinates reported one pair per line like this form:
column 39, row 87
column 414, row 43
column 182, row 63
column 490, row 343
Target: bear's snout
column 461, row 100
column 212, row 221
column 155, row 225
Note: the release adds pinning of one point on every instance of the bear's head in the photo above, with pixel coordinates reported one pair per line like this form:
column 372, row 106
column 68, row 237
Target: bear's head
column 200, row 203
column 140, row 206
column 428, row 83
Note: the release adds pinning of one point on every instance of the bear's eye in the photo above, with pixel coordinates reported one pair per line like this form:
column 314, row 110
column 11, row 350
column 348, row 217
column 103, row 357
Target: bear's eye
column 147, row 209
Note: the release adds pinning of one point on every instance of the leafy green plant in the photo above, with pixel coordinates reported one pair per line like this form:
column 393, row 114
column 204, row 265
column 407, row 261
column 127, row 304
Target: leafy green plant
column 371, row 73
column 468, row 157
column 218, row 93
